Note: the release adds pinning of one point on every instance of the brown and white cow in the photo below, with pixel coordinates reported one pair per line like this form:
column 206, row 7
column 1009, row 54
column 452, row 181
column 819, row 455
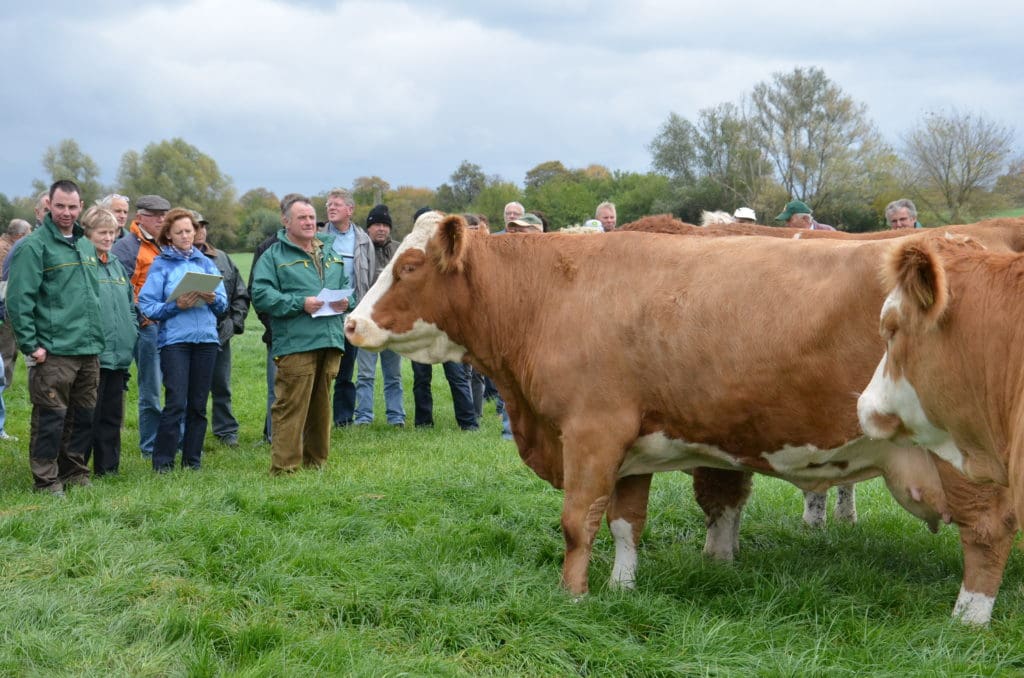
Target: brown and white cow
column 626, row 354
column 952, row 380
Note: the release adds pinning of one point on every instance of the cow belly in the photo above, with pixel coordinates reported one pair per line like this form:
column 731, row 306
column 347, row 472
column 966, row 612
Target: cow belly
column 806, row 466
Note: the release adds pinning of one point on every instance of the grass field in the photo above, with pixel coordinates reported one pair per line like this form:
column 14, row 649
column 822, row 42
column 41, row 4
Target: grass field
column 438, row 553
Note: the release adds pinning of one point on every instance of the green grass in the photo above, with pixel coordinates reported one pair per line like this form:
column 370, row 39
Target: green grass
column 438, row 553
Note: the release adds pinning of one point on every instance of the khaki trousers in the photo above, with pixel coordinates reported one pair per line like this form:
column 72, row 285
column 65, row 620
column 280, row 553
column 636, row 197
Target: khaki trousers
column 301, row 415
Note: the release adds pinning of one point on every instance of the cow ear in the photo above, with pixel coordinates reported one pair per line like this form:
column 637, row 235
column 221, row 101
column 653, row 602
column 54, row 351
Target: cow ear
column 917, row 270
column 450, row 241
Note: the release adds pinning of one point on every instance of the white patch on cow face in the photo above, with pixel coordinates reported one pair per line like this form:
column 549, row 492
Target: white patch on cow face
column 424, row 342
column 624, row 569
column 885, row 398
column 973, row 608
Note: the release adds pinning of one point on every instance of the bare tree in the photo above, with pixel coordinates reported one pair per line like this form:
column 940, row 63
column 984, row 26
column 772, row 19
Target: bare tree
column 820, row 141
column 954, row 157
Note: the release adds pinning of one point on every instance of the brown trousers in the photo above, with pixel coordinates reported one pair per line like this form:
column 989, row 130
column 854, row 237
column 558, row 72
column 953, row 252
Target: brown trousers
column 63, row 394
column 301, row 415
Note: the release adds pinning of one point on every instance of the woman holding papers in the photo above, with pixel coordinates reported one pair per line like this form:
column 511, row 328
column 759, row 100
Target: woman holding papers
column 187, row 337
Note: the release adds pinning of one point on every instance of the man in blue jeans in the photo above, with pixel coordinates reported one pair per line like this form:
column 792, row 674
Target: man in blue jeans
column 378, row 227
column 136, row 252
column 353, row 244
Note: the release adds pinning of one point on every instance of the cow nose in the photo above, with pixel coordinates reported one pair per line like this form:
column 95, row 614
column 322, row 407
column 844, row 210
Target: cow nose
column 350, row 328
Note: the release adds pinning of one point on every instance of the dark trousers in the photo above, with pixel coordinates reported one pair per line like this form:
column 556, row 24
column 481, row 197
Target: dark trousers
column 344, row 388
column 107, row 419
column 462, row 395
column 187, row 374
column 63, row 394
column 478, row 385
column 224, row 423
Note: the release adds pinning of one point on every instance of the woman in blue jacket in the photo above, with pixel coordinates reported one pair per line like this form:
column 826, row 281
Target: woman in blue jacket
column 187, row 339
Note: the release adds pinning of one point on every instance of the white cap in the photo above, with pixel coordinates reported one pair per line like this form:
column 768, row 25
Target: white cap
column 745, row 213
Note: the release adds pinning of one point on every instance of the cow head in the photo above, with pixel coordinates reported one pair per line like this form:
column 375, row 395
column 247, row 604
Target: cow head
column 914, row 395
column 401, row 309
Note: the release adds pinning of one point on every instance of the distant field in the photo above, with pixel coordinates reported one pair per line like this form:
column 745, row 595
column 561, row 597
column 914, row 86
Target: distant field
column 1015, row 212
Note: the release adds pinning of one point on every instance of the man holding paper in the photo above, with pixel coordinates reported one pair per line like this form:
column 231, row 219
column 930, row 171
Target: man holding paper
column 306, row 345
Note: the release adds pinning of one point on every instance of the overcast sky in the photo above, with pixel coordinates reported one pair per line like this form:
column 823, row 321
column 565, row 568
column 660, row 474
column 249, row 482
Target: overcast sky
column 303, row 95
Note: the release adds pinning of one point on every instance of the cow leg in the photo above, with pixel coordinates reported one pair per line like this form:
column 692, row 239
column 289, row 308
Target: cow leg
column 627, row 514
column 592, row 451
column 721, row 494
column 984, row 515
column 815, row 504
column 846, row 504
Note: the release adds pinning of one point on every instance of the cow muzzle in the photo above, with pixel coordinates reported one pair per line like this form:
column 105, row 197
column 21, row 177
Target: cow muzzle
column 365, row 333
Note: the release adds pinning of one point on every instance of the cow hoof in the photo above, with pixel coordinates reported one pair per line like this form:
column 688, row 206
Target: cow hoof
column 621, row 584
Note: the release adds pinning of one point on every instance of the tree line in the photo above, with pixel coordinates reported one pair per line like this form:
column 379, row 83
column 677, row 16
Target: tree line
column 797, row 135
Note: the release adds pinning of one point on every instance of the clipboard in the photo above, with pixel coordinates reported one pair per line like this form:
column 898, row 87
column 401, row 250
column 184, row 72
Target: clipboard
column 195, row 282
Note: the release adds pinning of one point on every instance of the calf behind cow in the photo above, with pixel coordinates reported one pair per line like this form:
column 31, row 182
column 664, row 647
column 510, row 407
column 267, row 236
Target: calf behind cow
column 739, row 354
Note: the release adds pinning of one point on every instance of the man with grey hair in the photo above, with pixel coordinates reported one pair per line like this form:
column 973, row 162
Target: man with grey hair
column 605, row 213
column 356, row 250
column 901, row 213
column 118, row 206
column 513, row 211
column 41, row 208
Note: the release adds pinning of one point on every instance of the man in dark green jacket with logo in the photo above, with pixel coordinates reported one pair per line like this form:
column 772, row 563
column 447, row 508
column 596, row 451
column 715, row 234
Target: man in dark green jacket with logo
column 53, row 304
column 306, row 346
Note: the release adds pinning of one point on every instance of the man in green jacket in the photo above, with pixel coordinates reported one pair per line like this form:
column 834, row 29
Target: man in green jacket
column 53, row 304
column 306, row 347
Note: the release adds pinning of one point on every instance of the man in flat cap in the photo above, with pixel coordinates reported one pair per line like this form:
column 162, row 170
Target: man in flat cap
column 136, row 252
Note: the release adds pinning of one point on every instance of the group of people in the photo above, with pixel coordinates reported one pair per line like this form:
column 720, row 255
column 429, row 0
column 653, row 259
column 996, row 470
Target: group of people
column 89, row 293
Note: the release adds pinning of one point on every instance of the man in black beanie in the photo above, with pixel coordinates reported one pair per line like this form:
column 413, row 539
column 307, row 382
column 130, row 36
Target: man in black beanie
column 458, row 380
column 378, row 227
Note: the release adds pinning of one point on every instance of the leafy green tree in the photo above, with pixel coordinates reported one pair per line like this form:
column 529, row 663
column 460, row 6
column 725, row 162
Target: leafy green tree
column 252, row 201
column 466, row 183
column 6, row 211
column 369, row 191
column 67, row 161
column 955, row 159
column 1011, row 185
column 544, row 173
column 188, row 178
column 674, row 150
column 258, row 225
column 564, row 200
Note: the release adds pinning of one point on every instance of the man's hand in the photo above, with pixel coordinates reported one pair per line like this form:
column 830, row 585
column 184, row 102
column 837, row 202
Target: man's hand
column 339, row 306
column 312, row 305
column 39, row 355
